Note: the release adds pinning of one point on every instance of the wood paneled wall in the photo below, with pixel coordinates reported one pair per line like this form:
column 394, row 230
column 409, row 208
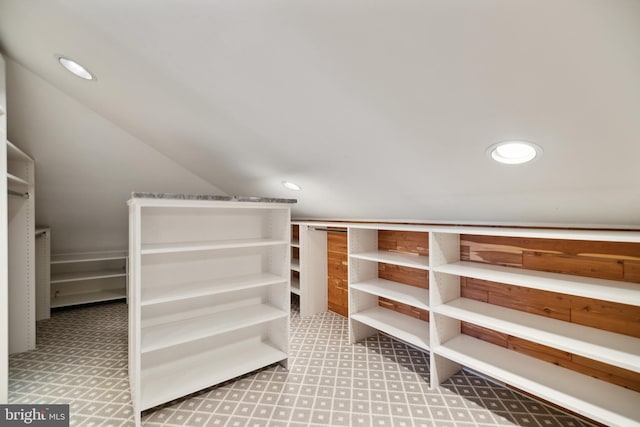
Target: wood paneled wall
column 406, row 242
column 295, row 232
column 616, row 261
column 338, row 273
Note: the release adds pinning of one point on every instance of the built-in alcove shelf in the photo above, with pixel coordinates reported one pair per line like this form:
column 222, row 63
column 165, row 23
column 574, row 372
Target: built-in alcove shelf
column 88, row 277
column 606, row 290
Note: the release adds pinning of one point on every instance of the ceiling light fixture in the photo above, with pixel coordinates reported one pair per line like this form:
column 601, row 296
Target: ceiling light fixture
column 514, row 152
column 291, row 186
column 76, row 69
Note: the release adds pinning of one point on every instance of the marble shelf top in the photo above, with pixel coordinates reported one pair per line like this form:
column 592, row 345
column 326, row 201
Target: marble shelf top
column 178, row 196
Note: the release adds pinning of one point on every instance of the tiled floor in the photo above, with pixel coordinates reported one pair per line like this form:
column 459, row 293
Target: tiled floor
column 82, row 360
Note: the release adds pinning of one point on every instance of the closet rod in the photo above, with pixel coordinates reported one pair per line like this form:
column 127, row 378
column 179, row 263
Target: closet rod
column 18, row 194
column 329, row 230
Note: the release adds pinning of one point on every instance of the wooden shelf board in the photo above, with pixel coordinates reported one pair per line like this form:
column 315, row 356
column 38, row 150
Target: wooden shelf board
column 295, row 286
column 87, row 257
column 405, row 328
column 295, row 264
column 596, row 399
column 406, row 294
column 165, row 248
column 181, row 291
column 608, row 347
column 295, row 243
column 184, row 375
column 85, row 275
column 174, row 332
column 607, row 290
column 86, row 298
column 406, row 260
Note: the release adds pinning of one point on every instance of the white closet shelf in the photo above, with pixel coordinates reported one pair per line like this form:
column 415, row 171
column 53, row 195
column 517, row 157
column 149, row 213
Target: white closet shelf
column 86, row 298
column 166, row 248
column 181, row 291
column 608, row 347
column 406, row 328
column 295, row 286
column 174, row 332
column 596, row 399
column 295, row 264
column 402, row 259
column 85, row 275
column 16, row 180
column 607, row 290
column 406, row 294
column 87, row 257
column 183, row 375
column 14, row 153
column 295, row 243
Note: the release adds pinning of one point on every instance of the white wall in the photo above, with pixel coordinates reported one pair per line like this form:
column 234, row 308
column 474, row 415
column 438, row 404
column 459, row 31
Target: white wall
column 86, row 166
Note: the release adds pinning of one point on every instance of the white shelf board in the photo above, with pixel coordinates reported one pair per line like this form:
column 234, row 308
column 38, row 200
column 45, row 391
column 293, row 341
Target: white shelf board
column 606, row 290
column 295, row 286
column 406, row 328
column 596, row 399
column 86, row 275
column 87, row 257
column 406, row 260
column 295, row 264
column 406, row 294
column 608, row 347
column 543, row 233
column 86, row 298
column 184, row 375
column 16, row 180
column 174, row 332
column 295, row 243
column 181, row 291
column 165, row 248
column 14, row 153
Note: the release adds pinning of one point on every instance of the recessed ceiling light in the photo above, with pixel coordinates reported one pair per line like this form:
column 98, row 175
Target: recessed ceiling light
column 75, row 68
column 514, row 152
column 291, row 186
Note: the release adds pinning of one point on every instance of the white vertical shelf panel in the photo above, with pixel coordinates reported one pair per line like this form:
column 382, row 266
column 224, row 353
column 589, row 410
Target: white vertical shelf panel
column 21, row 254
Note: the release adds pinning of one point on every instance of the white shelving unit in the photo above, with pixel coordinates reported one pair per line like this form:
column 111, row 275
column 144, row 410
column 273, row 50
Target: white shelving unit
column 209, row 296
column 21, row 250
column 89, row 277
column 311, row 282
column 365, row 287
column 593, row 398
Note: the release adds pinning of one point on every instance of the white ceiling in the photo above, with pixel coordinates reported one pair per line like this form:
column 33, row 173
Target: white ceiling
column 378, row 109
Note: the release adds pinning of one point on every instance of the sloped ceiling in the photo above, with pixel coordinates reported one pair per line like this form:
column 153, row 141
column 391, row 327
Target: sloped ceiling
column 378, row 109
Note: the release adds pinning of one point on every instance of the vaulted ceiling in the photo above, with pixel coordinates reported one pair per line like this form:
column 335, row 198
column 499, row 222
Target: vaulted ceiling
column 379, row 109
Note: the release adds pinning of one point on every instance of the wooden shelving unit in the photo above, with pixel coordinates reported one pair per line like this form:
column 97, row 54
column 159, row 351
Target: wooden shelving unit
column 209, row 296
column 451, row 349
column 90, row 277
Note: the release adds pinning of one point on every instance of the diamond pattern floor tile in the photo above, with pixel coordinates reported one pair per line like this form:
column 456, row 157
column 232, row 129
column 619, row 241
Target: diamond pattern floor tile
column 82, row 360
